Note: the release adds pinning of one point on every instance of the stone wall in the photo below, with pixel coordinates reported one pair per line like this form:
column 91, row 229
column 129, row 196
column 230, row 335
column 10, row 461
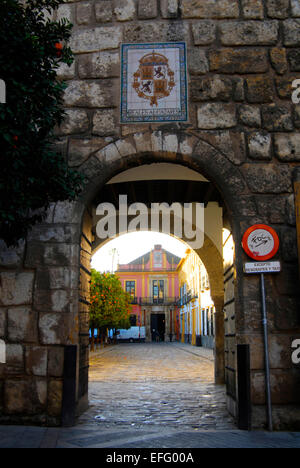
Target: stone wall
column 243, row 135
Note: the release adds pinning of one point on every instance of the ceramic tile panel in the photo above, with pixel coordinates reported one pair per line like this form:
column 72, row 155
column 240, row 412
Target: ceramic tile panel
column 154, row 83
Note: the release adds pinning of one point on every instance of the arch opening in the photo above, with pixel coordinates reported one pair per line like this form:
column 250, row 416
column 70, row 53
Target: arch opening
column 142, row 184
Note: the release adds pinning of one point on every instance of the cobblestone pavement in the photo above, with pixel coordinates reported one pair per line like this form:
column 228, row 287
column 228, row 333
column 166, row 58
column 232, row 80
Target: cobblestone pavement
column 150, row 396
column 150, row 385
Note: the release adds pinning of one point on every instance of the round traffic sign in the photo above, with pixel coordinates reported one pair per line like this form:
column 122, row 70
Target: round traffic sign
column 260, row 242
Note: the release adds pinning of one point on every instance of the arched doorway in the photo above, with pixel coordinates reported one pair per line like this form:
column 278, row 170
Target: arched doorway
column 206, row 160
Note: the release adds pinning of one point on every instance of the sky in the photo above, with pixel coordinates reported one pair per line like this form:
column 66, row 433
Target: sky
column 133, row 245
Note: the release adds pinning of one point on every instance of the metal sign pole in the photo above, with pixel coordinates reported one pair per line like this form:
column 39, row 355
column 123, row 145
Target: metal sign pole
column 266, row 346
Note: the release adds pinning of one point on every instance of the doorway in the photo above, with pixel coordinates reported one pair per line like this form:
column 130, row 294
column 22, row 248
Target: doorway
column 158, row 327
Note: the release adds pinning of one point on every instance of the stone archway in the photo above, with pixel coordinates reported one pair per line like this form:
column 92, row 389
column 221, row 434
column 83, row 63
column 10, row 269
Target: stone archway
column 187, row 150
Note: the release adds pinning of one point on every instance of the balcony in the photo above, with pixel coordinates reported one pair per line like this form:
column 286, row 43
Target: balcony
column 150, row 301
column 186, row 298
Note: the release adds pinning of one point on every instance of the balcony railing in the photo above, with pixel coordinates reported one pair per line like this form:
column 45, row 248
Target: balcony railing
column 139, row 268
column 151, row 301
column 186, row 298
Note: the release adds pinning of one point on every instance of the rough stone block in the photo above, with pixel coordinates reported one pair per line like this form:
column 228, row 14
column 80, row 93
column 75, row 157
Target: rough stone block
column 276, row 118
column 295, row 5
column 56, row 278
column 125, row 148
column 291, row 32
column 65, row 12
column 284, row 86
column 46, row 233
column 16, row 288
column 25, row 397
column 14, row 358
column 56, row 362
column 147, row 9
column 99, row 65
column 169, row 8
column 104, row 11
column 274, row 211
column 65, row 71
column 124, row 10
column 250, row 115
column 142, row 142
column 81, row 149
column 108, row 154
column 57, row 301
column 249, row 33
column 75, row 122
column 279, row 60
column 267, row 178
column 104, row 123
column 55, row 395
column 287, row 147
column 89, row 94
column 2, row 322
column 278, row 8
column 209, row 9
column 211, row 88
column 36, row 359
column 294, row 59
column 84, row 12
column 96, row 39
column 51, row 255
column 228, row 142
column 290, row 211
column 204, row 32
column 289, row 244
column 259, row 145
column 22, row 325
column 297, row 115
column 216, row 115
column 287, row 309
column 155, row 32
column 238, row 61
column 11, row 257
column 197, row 63
column 54, row 328
column 287, row 285
column 68, row 212
column 253, row 9
column 259, row 89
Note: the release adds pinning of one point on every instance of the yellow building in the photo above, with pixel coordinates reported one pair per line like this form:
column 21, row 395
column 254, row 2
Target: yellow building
column 196, row 306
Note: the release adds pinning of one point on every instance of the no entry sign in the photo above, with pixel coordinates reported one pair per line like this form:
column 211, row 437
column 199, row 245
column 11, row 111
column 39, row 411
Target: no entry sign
column 260, row 242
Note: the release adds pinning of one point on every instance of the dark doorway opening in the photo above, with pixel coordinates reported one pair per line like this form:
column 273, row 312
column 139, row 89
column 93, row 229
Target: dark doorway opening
column 158, row 327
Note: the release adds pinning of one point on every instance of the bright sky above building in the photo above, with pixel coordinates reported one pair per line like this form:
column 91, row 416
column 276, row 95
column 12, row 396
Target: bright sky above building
column 133, row 245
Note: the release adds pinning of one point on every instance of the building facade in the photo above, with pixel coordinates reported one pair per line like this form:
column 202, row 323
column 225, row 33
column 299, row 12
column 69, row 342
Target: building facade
column 197, row 310
column 152, row 282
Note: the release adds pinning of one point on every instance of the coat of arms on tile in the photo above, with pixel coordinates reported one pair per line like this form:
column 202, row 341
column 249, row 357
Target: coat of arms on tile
column 154, row 83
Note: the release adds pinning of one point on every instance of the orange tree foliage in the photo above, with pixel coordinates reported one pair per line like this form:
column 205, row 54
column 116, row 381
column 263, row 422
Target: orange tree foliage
column 110, row 304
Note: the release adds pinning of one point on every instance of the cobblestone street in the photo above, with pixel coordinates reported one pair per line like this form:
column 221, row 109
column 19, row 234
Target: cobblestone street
column 150, row 396
column 150, row 385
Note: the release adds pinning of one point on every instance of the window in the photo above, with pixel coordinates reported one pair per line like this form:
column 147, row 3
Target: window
column 158, row 291
column 157, row 257
column 130, row 288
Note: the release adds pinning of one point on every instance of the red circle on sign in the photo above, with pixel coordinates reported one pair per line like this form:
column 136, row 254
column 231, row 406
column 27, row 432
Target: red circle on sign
column 251, row 242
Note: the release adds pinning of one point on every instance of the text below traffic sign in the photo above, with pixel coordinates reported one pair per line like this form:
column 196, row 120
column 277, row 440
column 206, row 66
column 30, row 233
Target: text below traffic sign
column 260, row 242
column 262, row 267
